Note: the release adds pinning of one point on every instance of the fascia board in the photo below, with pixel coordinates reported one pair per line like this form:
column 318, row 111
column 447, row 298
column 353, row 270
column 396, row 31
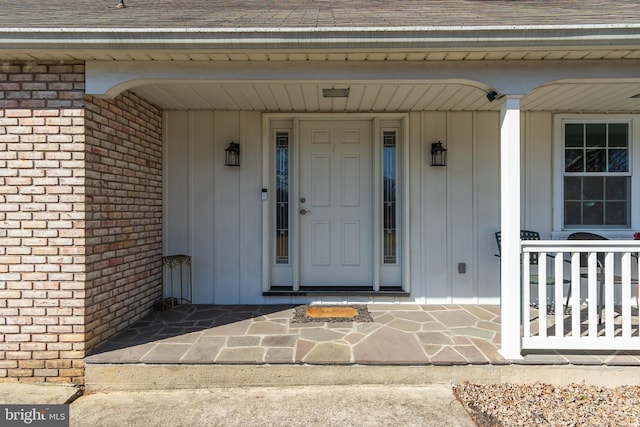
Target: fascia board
column 471, row 37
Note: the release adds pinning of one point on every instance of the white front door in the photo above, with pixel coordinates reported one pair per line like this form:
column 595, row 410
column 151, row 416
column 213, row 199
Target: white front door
column 335, row 200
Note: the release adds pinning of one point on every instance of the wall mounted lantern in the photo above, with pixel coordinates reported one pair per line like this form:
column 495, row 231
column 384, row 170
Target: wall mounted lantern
column 438, row 154
column 232, row 154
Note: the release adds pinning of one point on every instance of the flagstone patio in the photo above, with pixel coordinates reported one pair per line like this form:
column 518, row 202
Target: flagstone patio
column 398, row 335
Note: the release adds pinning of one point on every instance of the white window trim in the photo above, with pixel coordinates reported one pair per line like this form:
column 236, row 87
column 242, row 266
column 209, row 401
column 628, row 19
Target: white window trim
column 558, row 164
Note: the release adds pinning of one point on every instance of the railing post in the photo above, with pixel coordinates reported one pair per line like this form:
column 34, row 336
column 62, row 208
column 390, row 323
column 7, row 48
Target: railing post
column 510, row 290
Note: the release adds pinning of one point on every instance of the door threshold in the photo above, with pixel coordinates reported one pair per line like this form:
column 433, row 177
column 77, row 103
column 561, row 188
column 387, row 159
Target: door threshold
column 336, row 290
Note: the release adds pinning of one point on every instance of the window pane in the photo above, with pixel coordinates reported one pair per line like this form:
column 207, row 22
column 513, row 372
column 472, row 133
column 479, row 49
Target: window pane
column 593, row 188
column 616, row 213
column 593, row 213
column 596, row 135
column 574, row 160
column 572, row 188
column 572, row 213
column 616, row 188
column 574, row 135
column 389, row 177
column 618, row 160
column 596, row 161
column 282, row 198
column 618, row 135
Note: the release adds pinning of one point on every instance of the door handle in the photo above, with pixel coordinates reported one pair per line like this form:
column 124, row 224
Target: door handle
column 304, row 211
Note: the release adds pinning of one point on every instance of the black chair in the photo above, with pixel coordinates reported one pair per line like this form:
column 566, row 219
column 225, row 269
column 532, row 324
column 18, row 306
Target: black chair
column 533, row 259
column 582, row 235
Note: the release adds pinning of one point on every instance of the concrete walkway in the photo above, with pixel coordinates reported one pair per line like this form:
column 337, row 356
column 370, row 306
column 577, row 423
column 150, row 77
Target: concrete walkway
column 366, row 405
column 41, row 394
column 324, row 406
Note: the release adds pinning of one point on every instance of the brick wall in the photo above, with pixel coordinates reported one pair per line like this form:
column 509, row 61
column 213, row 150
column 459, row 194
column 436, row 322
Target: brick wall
column 42, row 209
column 124, row 213
column 80, row 218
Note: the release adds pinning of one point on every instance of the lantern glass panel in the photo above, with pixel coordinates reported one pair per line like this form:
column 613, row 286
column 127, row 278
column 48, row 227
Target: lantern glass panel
column 232, row 154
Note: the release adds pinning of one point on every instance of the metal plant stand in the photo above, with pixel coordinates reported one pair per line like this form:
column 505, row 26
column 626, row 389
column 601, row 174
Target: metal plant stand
column 185, row 298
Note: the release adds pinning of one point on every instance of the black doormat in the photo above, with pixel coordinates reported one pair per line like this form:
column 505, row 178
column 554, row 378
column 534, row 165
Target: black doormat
column 331, row 313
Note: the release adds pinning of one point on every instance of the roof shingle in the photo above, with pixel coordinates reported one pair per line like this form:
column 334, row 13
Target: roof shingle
column 313, row 13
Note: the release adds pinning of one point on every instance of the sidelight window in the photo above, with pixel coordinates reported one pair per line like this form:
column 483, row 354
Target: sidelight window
column 389, row 197
column 282, row 198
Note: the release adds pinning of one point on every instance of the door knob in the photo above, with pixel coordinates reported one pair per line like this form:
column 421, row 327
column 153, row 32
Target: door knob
column 304, row 211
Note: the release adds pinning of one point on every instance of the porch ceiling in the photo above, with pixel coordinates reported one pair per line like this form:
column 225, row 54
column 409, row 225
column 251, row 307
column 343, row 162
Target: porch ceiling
column 614, row 97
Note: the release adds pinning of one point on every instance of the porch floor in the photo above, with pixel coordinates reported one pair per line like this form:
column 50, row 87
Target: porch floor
column 398, row 335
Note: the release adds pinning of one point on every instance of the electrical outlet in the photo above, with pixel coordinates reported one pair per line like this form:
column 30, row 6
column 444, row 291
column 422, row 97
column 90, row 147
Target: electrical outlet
column 462, row 267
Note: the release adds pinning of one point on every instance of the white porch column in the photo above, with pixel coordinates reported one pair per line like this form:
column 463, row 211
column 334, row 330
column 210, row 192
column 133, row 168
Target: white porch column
column 510, row 305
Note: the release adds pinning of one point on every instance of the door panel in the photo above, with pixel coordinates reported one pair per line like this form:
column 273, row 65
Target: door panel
column 321, row 249
column 320, row 181
column 336, row 215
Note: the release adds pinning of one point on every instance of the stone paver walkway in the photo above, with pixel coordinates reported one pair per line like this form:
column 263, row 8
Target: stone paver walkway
column 399, row 335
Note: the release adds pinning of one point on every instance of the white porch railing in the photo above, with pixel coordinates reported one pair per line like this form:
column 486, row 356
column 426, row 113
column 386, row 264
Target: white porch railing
column 605, row 283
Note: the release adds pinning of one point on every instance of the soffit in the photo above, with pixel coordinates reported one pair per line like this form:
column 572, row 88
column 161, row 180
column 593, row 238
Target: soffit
column 614, row 97
column 457, row 54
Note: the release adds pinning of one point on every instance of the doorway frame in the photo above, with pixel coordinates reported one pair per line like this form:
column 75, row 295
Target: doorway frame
column 269, row 127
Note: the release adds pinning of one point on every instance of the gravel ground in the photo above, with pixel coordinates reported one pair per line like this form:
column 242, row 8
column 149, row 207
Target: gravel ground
column 548, row 405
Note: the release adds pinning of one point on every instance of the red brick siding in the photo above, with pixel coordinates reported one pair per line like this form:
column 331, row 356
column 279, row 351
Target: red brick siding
column 42, row 210
column 80, row 218
column 124, row 213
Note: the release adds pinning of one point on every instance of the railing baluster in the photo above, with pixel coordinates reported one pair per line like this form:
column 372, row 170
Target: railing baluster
column 637, row 284
column 626, row 295
column 575, row 295
column 526, row 293
column 542, row 294
column 609, row 311
column 592, row 292
column 558, row 295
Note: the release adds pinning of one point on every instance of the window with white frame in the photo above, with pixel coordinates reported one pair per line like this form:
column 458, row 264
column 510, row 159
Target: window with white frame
column 596, row 174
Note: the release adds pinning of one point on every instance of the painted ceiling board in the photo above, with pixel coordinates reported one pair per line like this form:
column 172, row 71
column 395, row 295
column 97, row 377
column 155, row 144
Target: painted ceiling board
column 218, row 97
column 283, row 103
column 440, row 102
column 463, row 97
column 266, row 96
column 310, row 94
column 252, row 97
column 384, row 95
column 403, row 96
column 237, row 95
column 355, row 95
column 600, row 97
column 430, row 93
column 369, row 97
column 296, row 97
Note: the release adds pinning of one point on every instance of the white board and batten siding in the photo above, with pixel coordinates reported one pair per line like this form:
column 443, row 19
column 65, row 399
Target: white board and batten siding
column 215, row 213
